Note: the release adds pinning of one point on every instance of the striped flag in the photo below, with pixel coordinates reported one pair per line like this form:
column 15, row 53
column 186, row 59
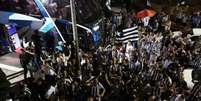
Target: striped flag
column 154, row 74
column 167, row 80
column 196, row 89
column 129, row 34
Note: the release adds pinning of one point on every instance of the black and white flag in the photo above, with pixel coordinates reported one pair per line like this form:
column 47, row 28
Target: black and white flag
column 196, row 89
column 129, row 34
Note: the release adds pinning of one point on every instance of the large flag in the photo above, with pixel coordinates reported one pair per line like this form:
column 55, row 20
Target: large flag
column 129, row 34
column 49, row 24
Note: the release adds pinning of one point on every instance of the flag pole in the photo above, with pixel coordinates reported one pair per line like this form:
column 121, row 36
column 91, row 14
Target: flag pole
column 75, row 35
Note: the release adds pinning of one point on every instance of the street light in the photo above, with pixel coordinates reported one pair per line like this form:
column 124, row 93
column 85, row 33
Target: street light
column 75, row 35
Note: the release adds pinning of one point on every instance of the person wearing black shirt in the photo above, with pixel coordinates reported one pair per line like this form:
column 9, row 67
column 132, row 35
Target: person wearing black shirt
column 25, row 58
column 37, row 40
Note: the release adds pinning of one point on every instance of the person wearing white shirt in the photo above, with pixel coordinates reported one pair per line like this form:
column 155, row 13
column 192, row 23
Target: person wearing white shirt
column 129, row 50
column 130, row 54
column 51, row 92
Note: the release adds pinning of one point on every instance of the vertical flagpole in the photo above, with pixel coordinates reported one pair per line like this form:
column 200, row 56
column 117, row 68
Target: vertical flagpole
column 75, row 34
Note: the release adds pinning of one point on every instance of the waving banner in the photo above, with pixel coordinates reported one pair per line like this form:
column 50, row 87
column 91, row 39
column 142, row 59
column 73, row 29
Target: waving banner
column 49, row 24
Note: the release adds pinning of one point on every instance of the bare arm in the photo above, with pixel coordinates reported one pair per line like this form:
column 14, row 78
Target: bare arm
column 29, row 52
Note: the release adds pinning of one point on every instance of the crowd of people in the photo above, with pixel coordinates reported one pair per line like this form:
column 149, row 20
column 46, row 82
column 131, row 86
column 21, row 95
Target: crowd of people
column 150, row 70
